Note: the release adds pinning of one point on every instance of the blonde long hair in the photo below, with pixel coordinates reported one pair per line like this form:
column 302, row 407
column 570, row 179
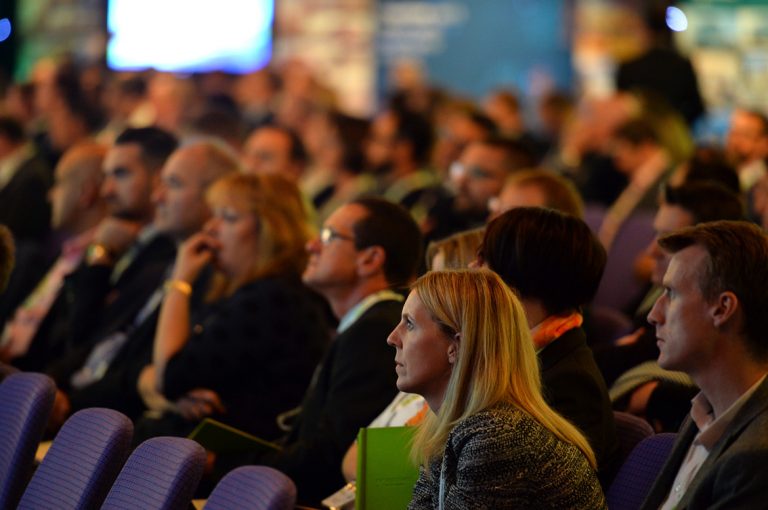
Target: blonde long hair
column 496, row 360
column 284, row 227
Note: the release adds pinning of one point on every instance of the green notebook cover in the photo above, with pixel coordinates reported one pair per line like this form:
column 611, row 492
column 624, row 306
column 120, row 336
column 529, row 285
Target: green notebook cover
column 385, row 473
column 221, row 438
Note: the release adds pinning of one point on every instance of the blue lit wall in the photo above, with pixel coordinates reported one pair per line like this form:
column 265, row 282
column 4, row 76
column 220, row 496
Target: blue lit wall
column 475, row 45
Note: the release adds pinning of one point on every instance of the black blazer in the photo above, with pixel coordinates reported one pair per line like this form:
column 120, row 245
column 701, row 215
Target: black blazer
column 573, row 386
column 734, row 474
column 355, row 382
column 24, row 206
column 89, row 306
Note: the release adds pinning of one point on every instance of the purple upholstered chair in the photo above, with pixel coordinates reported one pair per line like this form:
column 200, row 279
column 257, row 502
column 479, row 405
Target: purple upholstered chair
column 630, row 430
column 26, row 400
column 619, row 288
column 162, row 473
column 82, row 463
column 253, row 488
column 635, row 478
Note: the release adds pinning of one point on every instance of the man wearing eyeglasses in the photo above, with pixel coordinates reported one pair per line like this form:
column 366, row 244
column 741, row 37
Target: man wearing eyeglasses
column 476, row 177
column 367, row 250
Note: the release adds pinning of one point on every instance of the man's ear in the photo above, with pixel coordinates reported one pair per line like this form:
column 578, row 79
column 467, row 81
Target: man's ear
column 724, row 308
column 370, row 261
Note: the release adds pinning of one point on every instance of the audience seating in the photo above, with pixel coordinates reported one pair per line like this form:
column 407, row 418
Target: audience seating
column 253, row 488
column 82, row 463
column 6, row 370
column 607, row 324
column 630, row 430
column 619, row 288
column 26, row 401
column 161, row 474
column 636, row 476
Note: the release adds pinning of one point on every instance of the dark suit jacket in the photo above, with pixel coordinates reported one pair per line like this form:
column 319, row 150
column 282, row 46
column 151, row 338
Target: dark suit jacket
column 33, row 261
column 668, row 74
column 89, row 306
column 24, row 206
column 734, row 474
column 574, row 387
column 355, row 382
column 257, row 349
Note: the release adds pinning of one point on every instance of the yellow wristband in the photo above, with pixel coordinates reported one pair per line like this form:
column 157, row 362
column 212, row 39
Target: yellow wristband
column 98, row 254
column 180, row 285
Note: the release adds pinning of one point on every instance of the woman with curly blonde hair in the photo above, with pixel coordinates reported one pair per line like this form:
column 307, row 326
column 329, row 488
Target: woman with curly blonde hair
column 490, row 440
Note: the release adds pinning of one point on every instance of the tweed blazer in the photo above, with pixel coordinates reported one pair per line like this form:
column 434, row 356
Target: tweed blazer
column 503, row 458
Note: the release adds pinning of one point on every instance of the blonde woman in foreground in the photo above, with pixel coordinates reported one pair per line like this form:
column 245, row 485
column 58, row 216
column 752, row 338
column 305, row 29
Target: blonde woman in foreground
column 490, row 440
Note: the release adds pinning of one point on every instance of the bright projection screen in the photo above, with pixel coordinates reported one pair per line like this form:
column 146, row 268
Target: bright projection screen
column 189, row 35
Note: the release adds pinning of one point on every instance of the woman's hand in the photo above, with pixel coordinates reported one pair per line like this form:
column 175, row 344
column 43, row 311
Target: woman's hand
column 193, row 255
column 199, row 403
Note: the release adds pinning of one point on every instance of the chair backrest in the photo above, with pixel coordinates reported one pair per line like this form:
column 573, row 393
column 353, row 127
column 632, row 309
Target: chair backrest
column 635, row 478
column 162, row 473
column 26, row 400
column 608, row 324
column 630, row 430
column 253, row 488
column 619, row 288
column 82, row 463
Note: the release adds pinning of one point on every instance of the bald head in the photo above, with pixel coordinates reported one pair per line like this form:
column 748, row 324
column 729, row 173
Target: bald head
column 180, row 207
column 75, row 198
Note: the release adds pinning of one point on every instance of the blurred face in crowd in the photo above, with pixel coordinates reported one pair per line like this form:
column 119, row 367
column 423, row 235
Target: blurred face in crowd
column 627, row 156
column 128, row 183
column 180, row 207
column 668, row 219
column 516, row 195
column 424, row 354
column 332, row 262
column 682, row 315
column 746, row 140
column 454, row 134
column 66, row 194
column 760, row 200
column 268, row 151
column 234, row 230
column 478, row 176
column 382, row 142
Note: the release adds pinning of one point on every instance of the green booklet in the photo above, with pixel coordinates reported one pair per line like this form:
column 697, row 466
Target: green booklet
column 385, row 473
column 221, row 438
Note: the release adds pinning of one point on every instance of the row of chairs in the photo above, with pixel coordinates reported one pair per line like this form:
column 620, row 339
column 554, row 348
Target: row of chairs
column 643, row 455
column 88, row 464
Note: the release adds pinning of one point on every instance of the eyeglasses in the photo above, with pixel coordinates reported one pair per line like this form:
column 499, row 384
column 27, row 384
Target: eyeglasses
column 327, row 234
column 459, row 169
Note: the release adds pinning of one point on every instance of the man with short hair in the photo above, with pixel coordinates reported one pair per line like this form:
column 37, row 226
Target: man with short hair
column 679, row 206
column 537, row 188
column 127, row 256
column 711, row 323
column 639, row 154
column 273, row 149
column 105, row 370
column 476, row 178
column 367, row 249
column 398, row 152
column 746, row 145
column 76, row 210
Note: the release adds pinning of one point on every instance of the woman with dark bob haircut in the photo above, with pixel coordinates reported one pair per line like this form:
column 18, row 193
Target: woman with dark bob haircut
column 553, row 262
